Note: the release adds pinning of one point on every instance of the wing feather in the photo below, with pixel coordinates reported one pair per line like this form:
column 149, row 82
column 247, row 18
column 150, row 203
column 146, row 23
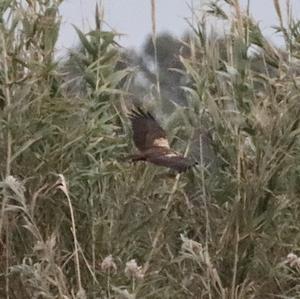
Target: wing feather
column 146, row 131
column 171, row 160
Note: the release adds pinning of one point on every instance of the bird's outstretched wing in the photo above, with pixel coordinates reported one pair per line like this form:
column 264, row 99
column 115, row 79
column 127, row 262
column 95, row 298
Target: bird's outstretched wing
column 147, row 133
column 172, row 160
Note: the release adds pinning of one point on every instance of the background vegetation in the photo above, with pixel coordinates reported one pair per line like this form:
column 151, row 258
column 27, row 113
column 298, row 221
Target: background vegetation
column 79, row 222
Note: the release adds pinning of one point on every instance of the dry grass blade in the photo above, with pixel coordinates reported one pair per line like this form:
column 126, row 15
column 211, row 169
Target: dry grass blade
column 62, row 185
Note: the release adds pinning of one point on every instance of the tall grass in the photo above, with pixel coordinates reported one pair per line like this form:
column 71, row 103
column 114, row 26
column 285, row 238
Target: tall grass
column 77, row 222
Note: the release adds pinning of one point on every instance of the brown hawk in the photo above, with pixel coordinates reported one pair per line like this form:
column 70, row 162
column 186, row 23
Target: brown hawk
column 152, row 143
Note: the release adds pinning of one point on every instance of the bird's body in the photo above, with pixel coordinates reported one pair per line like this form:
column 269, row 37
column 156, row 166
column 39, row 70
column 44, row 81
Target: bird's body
column 152, row 143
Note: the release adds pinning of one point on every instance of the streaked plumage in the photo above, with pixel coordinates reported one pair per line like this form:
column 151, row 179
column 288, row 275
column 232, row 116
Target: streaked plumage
column 152, row 143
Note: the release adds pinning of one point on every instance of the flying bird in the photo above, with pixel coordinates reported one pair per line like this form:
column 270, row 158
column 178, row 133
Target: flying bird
column 152, row 143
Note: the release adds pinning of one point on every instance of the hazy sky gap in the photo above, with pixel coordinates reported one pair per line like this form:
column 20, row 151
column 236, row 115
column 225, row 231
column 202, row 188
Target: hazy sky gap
column 133, row 18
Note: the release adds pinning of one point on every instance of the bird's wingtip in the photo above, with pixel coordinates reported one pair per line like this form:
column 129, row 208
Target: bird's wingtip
column 137, row 111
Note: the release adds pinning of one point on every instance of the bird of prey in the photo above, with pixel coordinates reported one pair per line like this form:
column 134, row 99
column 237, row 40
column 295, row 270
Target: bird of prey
column 152, row 143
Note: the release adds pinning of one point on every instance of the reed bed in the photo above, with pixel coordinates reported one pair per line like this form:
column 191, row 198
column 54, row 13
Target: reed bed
column 79, row 222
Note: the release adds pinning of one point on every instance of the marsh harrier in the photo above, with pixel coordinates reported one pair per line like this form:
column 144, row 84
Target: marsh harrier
column 152, row 143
